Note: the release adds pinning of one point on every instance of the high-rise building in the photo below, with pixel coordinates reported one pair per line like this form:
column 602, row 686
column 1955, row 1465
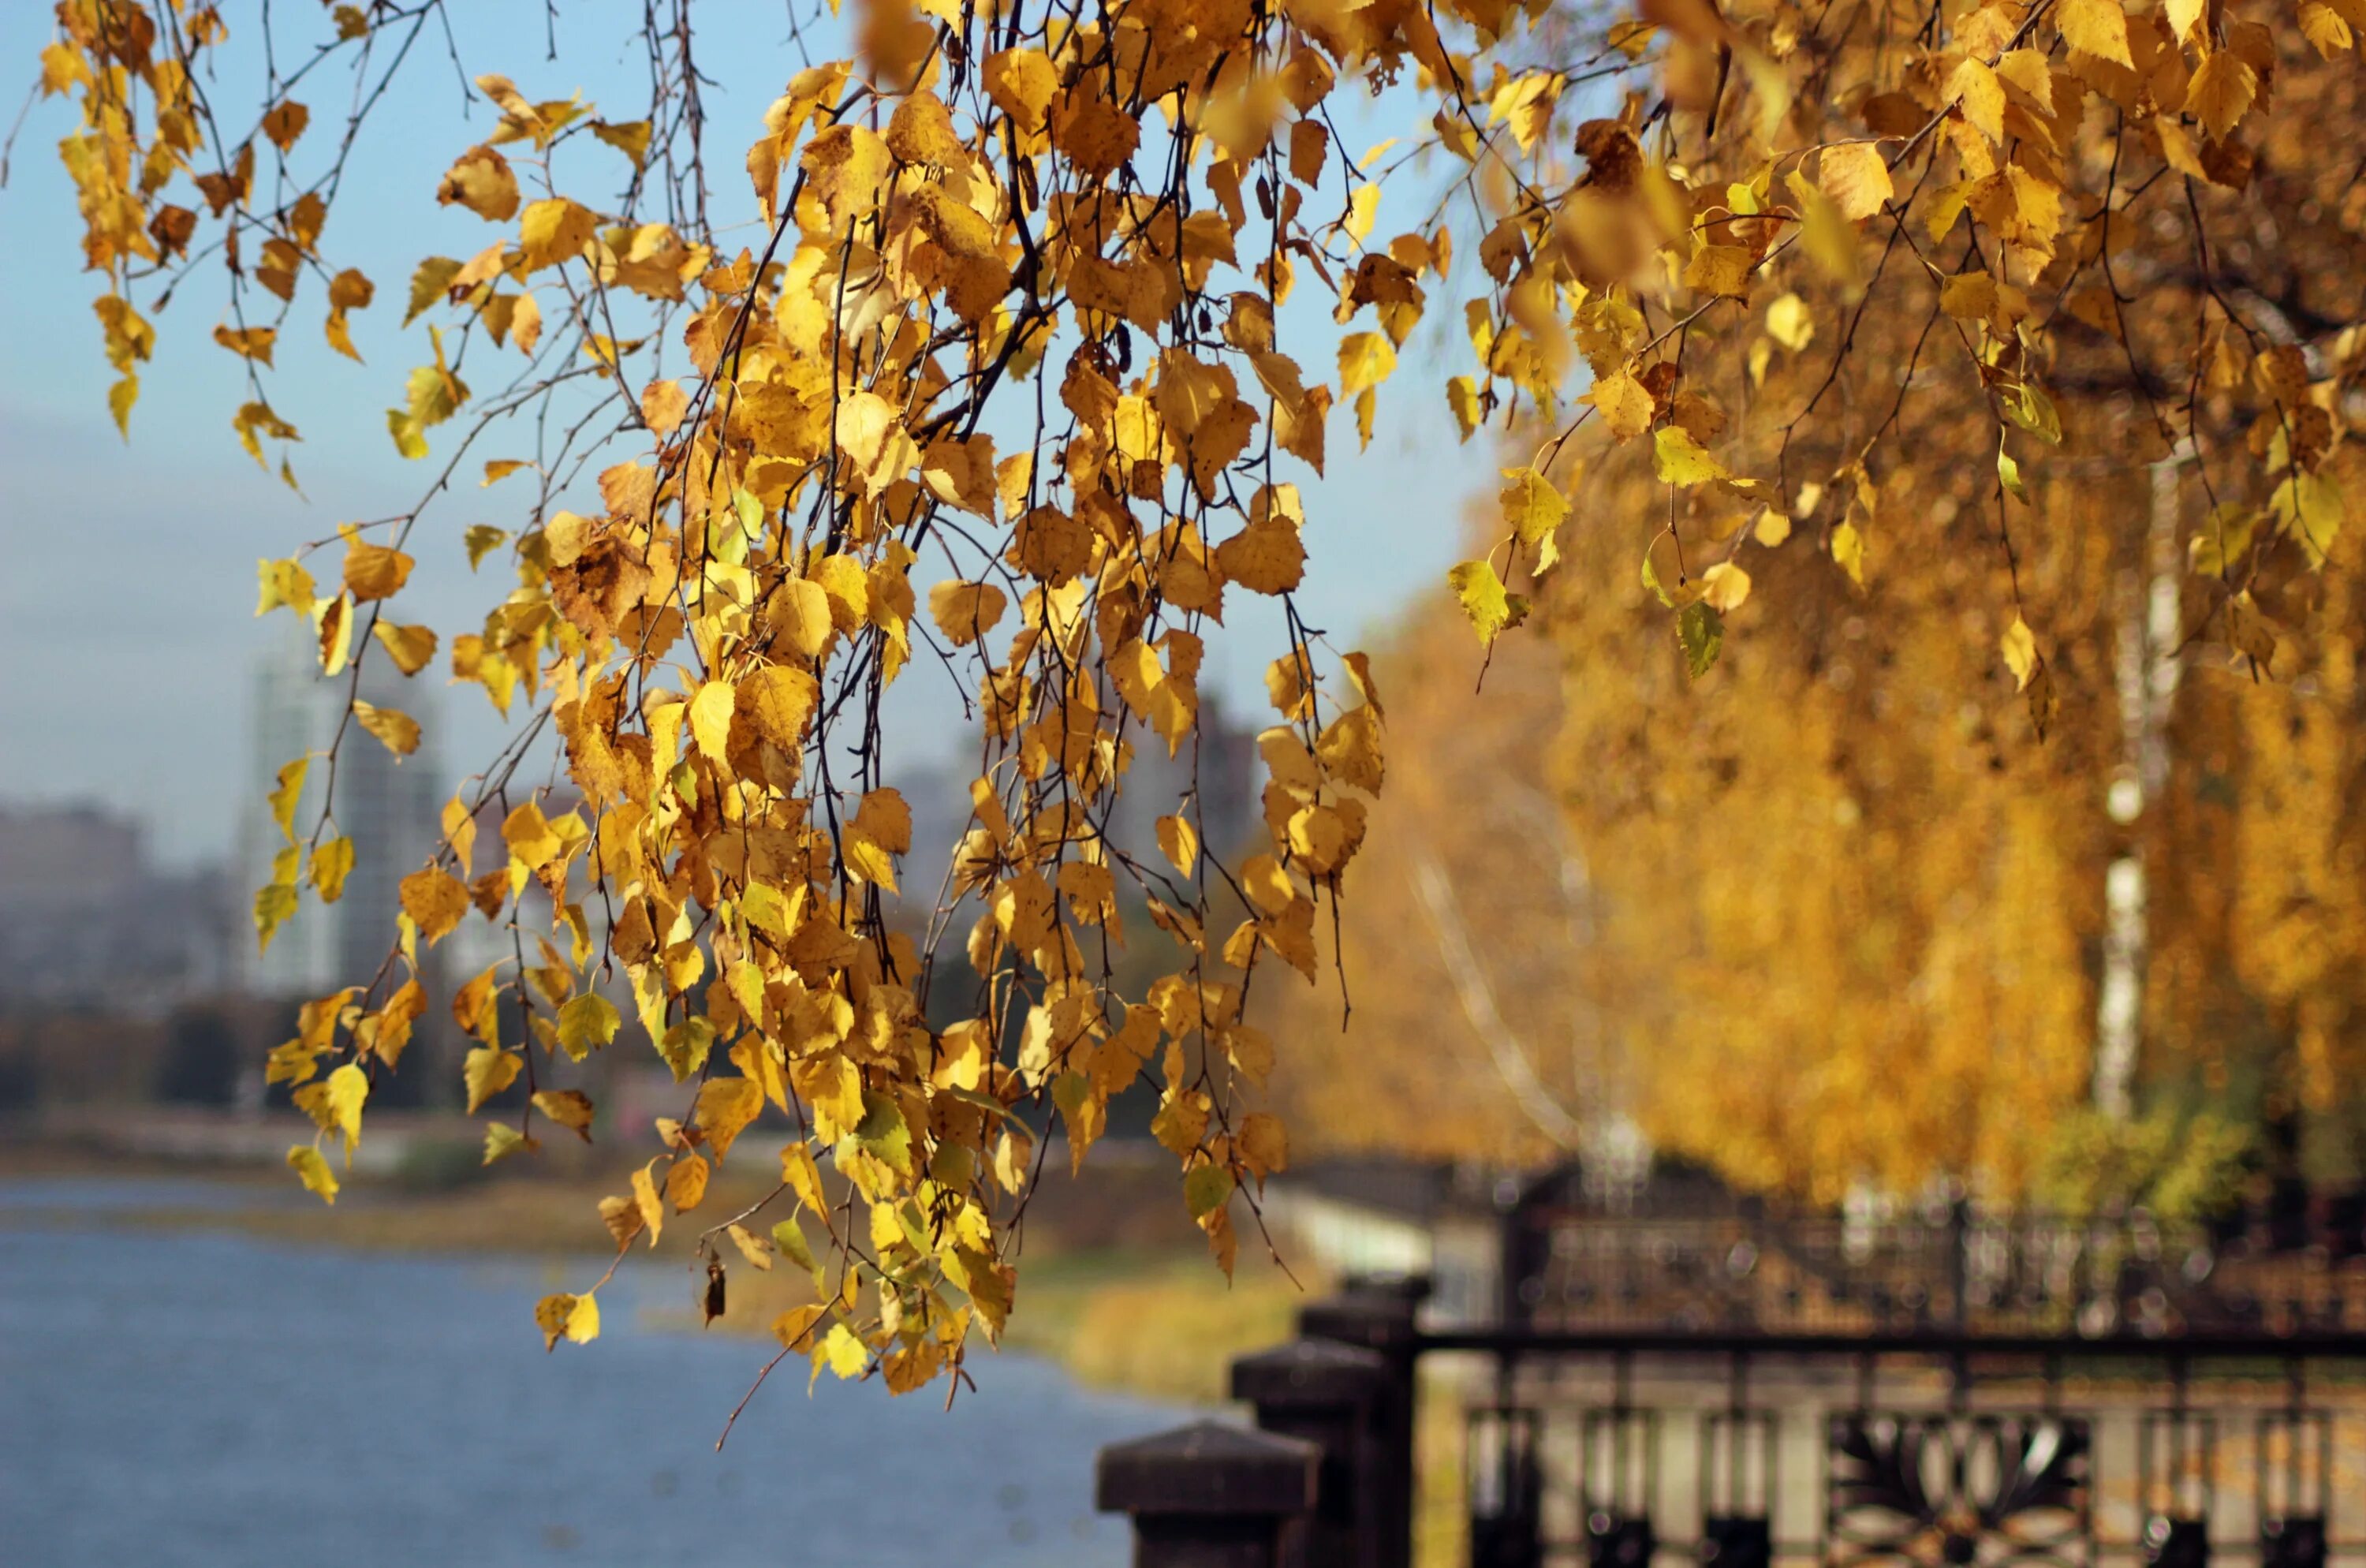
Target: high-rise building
column 1219, row 765
column 86, row 918
column 391, row 807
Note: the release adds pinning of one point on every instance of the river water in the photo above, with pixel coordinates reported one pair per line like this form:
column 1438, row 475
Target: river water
column 190, row 1400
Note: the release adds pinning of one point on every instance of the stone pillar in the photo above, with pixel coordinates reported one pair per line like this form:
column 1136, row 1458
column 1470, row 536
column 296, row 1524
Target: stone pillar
column 1329, row 1394
column 1211, row 1496
column 1377, row 1314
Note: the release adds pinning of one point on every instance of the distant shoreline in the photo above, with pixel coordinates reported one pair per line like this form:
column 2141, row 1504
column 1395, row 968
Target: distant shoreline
column 1110, row 1296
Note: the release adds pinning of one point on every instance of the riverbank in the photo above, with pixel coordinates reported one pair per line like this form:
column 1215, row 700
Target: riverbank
column 1115, row 1283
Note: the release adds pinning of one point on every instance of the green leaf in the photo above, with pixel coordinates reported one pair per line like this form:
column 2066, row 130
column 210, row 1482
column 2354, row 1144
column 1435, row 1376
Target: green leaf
column 1206, row 1188
column 790, row 1238
column 1652, row 580
column 1701, row 630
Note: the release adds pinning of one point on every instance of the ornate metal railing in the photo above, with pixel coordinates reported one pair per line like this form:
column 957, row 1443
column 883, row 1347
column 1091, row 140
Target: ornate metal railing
column 1742, row 1448
column 1928, row 1447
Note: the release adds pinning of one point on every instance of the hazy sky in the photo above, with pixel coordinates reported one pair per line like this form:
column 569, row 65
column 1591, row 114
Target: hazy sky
column 126, row 573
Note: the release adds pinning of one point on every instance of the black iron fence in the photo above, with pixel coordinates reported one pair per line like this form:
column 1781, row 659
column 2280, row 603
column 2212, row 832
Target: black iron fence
column 1917, row 1442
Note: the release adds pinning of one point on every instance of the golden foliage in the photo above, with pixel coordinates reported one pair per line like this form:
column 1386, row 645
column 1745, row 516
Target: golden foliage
column 1099, row 222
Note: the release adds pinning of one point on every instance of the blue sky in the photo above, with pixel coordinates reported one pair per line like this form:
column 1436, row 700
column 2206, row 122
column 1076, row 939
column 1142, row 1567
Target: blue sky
column 126, row 572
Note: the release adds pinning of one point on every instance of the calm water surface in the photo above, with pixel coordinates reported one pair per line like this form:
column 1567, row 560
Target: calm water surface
column 172, row 1399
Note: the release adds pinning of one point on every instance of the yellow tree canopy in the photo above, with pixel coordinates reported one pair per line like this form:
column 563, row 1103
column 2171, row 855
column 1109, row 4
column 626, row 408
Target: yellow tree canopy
column 1980, row 228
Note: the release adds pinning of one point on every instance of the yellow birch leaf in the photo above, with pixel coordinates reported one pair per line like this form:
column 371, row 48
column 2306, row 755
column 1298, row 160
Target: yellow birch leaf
column 1720, row 270
column 2020, row 647
column 1626, row 407
column 797, row 1168
column 2221, row 91
column 779, row 703
column 488, row 1071
column 586, row 1022
column 794, row 1328
column 275, row 905
column 1789, row 323
column 1848, row 552
column 726, row 1107
column 286, row 122
column 396, row 730
column 965, row 612
column 686, row 1183
column 631, row 138
column 313, row 1171
column 1179, row 842
column 843, row 1353
column 1857, row 179
column 250, row 342
column 348, row 1087
column 501, row 1140
column 1263, row 1145
column 1480, row 593
column 575, row 1319
column 552, row 233
column 373, row 571
column 710, row 719
column 283, row 583
column 530, row 837
column 569, row 1108
column 753, row 1247
column 1724, row 586
column 2099, row 28
column 1366, row 359
column 410, row 647
column 1680, row 460
column 1979, row 96
column 1533, row 505
column 645, row 1199
column 435, row 900
column 662, row 405
column 482, row 181
column 332, row 862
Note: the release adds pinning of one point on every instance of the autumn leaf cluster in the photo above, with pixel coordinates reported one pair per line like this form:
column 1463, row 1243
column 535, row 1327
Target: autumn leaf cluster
column 1013, row 338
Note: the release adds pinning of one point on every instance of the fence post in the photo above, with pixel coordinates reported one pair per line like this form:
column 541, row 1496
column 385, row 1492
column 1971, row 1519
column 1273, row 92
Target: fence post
column 1327, row 1393
column 1377, row 1314
column 1210, row 1496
